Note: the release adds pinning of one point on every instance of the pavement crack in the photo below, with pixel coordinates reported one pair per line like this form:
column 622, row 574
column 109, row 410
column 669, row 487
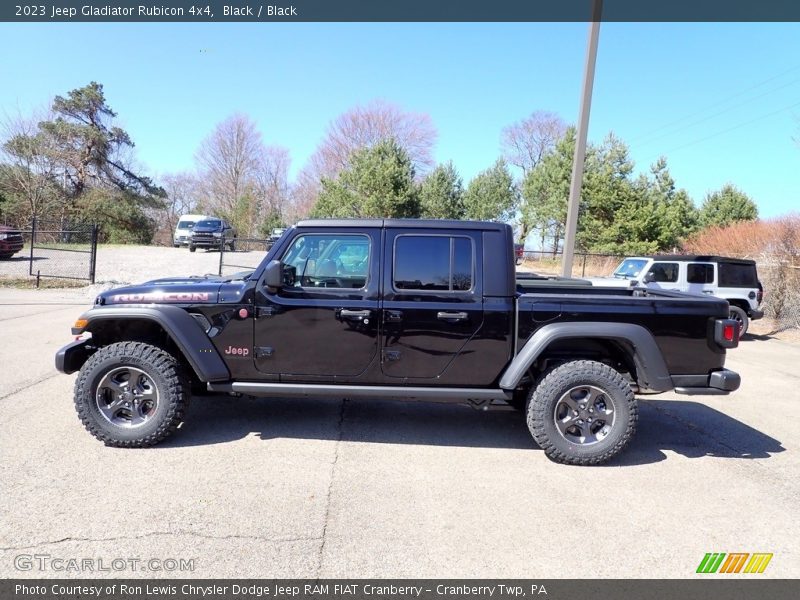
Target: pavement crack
column 323, row 537
column 198, row 534
column 30, row 384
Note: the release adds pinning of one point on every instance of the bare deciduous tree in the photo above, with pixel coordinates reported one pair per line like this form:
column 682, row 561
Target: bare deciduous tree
column 241, row 178
column 228, row 162
column 526, row 142
column 360, row 127
column 29, row 173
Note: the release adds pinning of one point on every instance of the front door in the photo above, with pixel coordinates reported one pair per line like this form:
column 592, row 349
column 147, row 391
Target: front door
column 432, row 306
column 323, row 323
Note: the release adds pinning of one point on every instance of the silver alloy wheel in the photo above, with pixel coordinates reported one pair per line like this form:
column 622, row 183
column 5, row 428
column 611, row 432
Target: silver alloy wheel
column 737, row 316
column 127, row 397
column 584, row 415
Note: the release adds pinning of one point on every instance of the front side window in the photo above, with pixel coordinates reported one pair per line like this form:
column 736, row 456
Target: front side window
column 433, row 263
column 330, row 261
column 700, row 273
column 664, row 272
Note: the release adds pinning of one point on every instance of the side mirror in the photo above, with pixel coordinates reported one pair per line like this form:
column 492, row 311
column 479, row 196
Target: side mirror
column 650, row 277
column 273, row 275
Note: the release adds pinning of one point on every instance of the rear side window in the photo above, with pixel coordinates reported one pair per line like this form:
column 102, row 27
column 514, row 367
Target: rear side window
column 737, row 275
column 433, row 263
column 664, row 272
column 699, row 273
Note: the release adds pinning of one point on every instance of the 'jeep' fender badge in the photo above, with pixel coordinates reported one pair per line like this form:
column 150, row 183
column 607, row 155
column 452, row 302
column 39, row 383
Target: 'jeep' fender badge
column 243, row 314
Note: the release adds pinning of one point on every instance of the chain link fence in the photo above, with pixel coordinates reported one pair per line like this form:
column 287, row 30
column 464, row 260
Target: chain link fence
column 781, row 281
column 584, row 264
column 55, row 249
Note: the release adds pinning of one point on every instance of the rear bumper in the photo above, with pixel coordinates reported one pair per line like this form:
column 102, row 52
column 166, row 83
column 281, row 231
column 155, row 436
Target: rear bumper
column 72, row 356
column 716, row 383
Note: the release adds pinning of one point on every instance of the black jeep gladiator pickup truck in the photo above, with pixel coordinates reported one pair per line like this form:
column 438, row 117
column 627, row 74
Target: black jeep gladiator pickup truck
column 403, row 309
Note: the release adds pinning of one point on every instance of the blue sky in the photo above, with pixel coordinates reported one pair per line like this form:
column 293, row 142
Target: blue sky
column 720, row 101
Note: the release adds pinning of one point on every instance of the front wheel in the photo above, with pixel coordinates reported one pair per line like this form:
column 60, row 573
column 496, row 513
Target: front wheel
column 738, row 315
column 582, row 413
column 192, row 247
column 131, row 395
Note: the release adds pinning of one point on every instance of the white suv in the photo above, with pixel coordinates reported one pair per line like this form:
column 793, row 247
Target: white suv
column 733, row 279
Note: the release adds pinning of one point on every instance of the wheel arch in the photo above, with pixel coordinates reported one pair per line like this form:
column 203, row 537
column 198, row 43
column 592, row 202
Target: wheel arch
column 153, row 325
column 630, row 344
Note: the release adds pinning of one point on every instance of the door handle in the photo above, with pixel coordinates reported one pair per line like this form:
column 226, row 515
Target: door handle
column 452, row 316
column 346, row 313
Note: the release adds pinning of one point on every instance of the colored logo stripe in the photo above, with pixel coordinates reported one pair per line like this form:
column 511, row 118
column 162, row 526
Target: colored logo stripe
column 758, row 563
column 713, row 562
column 710, row 563
column 734, row 562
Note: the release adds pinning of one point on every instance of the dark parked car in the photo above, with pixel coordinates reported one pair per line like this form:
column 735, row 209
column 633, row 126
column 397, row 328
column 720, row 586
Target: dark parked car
column 212, row 233
column 10, row 241
column 394, row 308
column 519, row 253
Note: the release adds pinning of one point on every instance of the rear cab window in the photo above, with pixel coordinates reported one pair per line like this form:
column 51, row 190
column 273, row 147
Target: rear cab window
column 700, row 273
column 433, row 263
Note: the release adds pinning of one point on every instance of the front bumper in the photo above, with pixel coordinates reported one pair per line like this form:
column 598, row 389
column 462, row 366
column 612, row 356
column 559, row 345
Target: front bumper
column 207, row 242
column 756, row 314
column 716, row 383
column 71, row 357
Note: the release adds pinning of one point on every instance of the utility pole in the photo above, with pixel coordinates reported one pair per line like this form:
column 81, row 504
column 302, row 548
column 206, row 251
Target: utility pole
column 580, row 142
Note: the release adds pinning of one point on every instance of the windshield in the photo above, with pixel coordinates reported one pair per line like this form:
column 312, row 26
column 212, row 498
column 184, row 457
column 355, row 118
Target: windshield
column 630, row 268
column 185, row 224
column 211, row 224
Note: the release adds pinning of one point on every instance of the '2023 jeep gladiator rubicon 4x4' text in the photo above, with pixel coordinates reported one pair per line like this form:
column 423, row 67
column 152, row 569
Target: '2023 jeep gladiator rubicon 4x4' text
column 404, row 309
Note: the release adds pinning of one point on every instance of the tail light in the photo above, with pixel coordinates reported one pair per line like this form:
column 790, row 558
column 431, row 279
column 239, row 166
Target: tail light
column 726, row 333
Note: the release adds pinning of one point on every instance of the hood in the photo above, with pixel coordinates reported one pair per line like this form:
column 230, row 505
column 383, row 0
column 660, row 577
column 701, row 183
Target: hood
column 206, row 228
column 209, row 289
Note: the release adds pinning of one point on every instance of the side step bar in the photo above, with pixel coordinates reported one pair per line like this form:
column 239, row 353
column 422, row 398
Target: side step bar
column 282, row 390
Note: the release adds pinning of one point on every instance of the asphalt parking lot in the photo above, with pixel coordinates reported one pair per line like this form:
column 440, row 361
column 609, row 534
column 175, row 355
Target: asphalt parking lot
column 356, row 488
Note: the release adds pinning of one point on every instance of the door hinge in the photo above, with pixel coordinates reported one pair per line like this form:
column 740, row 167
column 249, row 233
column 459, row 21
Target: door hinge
column 264, row 352
column 391, row 355
column 264, row 311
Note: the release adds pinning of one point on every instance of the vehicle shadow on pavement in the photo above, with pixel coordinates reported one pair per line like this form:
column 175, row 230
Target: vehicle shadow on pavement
column 694, row 430
column 214, row 420
column 691, row 429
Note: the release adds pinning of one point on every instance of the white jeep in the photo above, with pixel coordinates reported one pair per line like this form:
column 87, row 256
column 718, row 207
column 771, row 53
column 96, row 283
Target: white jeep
column 733, row 279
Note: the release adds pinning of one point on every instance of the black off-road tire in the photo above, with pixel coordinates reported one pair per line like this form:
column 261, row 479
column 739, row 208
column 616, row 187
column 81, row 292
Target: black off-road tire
column 740, row 315
column 192, row 247
column 164, row 371
column 232, row 245
column 549, row 394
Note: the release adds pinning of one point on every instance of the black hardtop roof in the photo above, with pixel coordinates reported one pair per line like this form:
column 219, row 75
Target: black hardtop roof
column 702, row 258
column 405, row 224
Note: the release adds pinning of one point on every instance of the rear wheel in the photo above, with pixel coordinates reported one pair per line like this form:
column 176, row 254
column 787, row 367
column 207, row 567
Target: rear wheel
column 582, row 413
column 131, row 395
column 738, row 315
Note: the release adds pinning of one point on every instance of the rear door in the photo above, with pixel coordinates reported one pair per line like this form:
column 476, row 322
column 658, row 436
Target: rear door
column 432, row 305
column 701, row 278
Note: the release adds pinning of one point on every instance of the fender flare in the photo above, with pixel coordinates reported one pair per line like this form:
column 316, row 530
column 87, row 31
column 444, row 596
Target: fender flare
column 179, row 325
column 651, row 369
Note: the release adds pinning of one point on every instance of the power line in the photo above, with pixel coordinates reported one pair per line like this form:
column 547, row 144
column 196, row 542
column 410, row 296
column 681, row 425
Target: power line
column 722, row 112
column 716, row 104
column 738, row 126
